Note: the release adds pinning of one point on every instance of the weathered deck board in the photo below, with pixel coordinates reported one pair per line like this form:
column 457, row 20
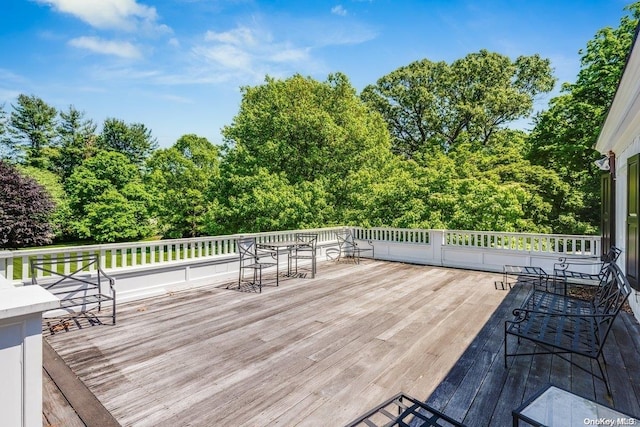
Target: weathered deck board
column 479, row 391
column 56, row 410
column 311, row 351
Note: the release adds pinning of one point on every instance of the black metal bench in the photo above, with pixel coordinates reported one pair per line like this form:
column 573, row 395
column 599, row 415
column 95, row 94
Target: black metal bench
column 564, row 325
column 81, row 285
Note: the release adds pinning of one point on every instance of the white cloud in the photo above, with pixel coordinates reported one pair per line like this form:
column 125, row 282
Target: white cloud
column 174, row 42
column 126, row 15
column 339, row 10
column 106, row 47
column 290, row 55
column 227, row 56
column 241, row 36
column 248, row 53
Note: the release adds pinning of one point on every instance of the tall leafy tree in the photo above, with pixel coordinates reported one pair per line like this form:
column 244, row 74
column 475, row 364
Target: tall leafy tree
column 108, row 199
column 564, row 135
column 32, row 129
column 76, row 141
column 133, row 140
column 431, row 105
column 302, row 137
column 304, row 128
column 25, row 210
column 184, row 179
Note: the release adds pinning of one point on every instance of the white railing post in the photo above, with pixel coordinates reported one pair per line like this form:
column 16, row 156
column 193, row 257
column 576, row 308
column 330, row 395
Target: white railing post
column 21, row 352
column 437, row 241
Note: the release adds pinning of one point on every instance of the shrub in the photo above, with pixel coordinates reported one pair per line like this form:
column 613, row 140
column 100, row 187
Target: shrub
column 25, row 210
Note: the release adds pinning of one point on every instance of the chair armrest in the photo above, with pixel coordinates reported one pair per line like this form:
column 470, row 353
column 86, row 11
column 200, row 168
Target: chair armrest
column 580, row 261
column 112, row 281
column 565, row 266
column 580, row 271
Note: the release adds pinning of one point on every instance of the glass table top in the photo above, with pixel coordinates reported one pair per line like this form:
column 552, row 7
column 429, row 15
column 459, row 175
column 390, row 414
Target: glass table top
column 557, row 407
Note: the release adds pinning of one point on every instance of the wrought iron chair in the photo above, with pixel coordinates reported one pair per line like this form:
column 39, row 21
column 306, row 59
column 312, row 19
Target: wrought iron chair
column 250, row 259
column 84, row 289
column 348, row 248
column 305, row 249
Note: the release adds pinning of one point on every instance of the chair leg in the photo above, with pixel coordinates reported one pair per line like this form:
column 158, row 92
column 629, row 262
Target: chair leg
column 505, row 346
column 260, row 282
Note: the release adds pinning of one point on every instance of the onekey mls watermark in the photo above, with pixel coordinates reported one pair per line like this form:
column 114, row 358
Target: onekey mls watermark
column 622, row 421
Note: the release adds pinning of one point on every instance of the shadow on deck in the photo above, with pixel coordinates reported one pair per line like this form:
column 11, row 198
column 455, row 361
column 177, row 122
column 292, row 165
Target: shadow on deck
column 479, row 391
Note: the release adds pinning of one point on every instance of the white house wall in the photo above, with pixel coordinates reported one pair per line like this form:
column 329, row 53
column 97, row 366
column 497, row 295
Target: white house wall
column 620, row 134
column 631, row 149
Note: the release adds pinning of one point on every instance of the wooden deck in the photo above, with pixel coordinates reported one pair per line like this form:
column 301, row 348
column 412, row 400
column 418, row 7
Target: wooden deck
column 310, row 352
column 323, row 351
column 480, row 392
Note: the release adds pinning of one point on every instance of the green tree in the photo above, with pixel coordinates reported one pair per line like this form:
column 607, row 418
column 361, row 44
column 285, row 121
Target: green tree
column 267, row 201
column 76, row 141
column 564, row 135
column 298, row 137
column 431, row 105
column 61, row 215
column 108, row 199
column 32, row 129
column 25, row 210
column 537, row 189
column 479, row 188
column 133, row 140
column 184, row 179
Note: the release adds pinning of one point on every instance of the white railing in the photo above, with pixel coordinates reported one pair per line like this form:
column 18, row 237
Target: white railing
column 398, row 235
column 476, row 250
column 527, row 242
column 543, row 243
column 15, row 265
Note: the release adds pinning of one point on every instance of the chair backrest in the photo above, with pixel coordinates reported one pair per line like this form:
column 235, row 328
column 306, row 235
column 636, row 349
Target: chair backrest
column 70, row 276
column 612, row 255
column 307, row 239
column 345, row 240
column 247, row 248
column 612, row 293
column 79, row 266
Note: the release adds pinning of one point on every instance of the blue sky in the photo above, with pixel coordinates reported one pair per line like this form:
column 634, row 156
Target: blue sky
column 177, row 65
